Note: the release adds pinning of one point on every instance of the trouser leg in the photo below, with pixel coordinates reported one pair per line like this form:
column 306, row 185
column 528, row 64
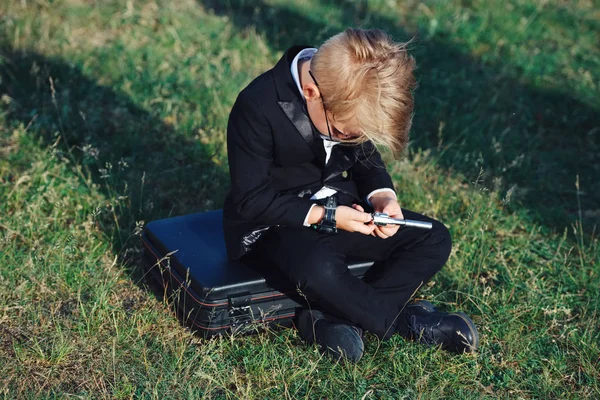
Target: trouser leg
column 316, row 264
column 404, row 262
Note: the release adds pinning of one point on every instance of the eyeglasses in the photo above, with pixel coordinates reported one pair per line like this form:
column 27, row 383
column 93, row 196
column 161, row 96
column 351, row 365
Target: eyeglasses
column 343, row 135
column 322, row 102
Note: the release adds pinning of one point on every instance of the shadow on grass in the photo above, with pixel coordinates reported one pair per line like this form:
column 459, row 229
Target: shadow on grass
column 147, row 170
column 475, row 116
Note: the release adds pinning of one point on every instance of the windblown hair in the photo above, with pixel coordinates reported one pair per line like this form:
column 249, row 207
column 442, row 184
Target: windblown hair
column 367, row 81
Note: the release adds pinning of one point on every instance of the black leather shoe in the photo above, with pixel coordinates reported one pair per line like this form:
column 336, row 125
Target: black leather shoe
column 455, row 332
column 421, row 304
column 341, row 341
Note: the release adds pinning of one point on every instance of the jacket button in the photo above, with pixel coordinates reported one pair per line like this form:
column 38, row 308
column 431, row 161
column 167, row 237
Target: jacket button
column 345, row 174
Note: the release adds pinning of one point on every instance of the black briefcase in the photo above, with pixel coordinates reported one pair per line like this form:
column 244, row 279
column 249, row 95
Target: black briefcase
column 186, row 256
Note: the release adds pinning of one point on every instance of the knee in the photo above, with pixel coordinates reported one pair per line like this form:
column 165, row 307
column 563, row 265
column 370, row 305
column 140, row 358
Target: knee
column 316, row 269
column 441, row 240
column 322, row 275
column 324, row 271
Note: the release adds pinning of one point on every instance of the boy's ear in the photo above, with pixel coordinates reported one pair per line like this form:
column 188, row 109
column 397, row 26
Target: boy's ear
column 311, row 92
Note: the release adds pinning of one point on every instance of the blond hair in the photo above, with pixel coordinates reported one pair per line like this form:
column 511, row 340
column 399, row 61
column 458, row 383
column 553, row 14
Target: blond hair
column 367, row 81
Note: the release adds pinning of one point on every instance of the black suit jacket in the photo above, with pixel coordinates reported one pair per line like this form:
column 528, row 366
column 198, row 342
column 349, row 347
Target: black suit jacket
column 276, row 160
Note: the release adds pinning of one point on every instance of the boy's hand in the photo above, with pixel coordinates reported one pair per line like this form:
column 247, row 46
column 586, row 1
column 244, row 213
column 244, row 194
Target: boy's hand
column 386, row 204
column 354, row 220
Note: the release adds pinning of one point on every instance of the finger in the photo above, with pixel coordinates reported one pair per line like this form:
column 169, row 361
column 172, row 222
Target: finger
column 381, row 234
column 392, row 208
column 365, row 229
column 390, row 230
column 364, row 217
column 394, row 212
column 397, row 215
column 358, row 207
column 373, row 226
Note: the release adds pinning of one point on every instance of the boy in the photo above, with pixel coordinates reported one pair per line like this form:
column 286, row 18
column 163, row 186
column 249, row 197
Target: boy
column 302, row 160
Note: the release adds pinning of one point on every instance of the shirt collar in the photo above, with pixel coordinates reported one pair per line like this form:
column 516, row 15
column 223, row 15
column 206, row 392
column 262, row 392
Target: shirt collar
column 305, row 54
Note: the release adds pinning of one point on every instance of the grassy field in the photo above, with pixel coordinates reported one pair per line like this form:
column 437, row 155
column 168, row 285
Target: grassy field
column 113, row 114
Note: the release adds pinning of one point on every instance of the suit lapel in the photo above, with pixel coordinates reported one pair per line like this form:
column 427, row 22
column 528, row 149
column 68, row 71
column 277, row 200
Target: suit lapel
column 294, row 110
column 292, row 103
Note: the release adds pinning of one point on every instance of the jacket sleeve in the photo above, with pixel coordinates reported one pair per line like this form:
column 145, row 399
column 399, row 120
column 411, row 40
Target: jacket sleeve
column 250, row 153
column 369, row 172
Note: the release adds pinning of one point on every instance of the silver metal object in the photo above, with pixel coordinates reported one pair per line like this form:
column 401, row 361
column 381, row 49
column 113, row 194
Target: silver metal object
column 382, row 219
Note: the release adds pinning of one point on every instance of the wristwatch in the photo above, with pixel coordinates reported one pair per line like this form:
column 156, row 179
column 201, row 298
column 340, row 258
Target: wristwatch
column 327, row 224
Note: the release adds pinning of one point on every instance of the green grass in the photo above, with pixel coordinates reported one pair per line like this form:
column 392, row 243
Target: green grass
column 113, row 114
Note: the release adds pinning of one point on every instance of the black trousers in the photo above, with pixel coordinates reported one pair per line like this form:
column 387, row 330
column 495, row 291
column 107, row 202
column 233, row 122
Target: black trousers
column 315, row 263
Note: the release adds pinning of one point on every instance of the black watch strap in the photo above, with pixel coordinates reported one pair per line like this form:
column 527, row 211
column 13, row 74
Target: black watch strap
column 328, row 224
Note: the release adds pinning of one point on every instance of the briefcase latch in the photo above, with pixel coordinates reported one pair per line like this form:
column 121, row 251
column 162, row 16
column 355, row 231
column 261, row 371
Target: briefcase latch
column 240, row 311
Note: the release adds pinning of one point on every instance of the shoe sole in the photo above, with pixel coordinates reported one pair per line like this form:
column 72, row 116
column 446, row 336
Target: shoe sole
column 472, row 328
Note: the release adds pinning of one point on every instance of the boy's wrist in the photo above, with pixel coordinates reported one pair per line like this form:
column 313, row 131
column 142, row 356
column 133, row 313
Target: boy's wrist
column 328, row 223
column 316, row 215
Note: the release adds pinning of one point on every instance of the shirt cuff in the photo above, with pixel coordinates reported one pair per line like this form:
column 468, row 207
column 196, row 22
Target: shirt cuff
column 379, row 191
column 307, row 214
